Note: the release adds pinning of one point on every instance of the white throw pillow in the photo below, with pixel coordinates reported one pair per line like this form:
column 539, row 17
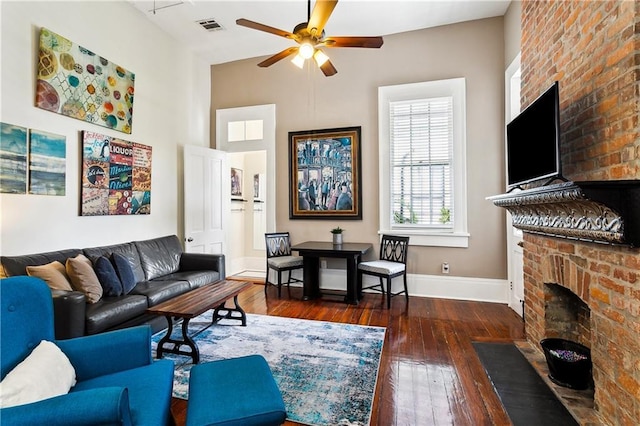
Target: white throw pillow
column 45, row 373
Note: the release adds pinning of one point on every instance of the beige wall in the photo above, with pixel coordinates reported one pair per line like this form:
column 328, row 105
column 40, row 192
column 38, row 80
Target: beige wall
column 512, row 32
column 305, row 100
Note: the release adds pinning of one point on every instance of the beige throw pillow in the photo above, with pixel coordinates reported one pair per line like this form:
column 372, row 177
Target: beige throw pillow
column 53, row 274
column 84, row 278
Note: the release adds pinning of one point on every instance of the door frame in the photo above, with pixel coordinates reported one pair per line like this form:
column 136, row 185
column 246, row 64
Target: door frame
column 266, row 113
column 514, row 236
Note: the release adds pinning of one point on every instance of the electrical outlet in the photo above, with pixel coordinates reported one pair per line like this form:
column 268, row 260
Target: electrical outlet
column 445, row 267
column 323, row 264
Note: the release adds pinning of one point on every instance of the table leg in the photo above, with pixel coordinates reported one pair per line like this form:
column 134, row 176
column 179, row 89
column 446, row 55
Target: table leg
column 165, row 339
column 229, row 315
column 352, row 280
column 186, row 340
column 195, row 353
column 311, row 277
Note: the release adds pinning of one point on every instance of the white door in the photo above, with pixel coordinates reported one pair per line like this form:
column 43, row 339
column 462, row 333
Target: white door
column 514, row 236
column 207, row 184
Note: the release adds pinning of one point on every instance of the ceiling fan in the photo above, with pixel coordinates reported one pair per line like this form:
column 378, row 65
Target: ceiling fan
column 310, row 37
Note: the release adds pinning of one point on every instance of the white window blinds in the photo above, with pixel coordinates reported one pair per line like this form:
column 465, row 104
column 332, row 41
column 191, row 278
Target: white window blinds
column 421, row 144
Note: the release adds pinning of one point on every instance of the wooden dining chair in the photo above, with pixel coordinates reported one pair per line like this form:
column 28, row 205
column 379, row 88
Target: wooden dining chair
column 392, row 264
column 279, row 259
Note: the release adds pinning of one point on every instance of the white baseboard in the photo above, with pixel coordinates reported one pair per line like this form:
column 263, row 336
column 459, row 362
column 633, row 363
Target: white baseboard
column 443, row 287
column 438, row 286
column 241, row 264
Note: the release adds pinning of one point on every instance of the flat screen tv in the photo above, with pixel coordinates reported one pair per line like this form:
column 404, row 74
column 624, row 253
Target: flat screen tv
column 533, row 141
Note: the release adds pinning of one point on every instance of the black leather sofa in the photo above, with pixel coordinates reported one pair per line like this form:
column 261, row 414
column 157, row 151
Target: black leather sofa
column 162, row 271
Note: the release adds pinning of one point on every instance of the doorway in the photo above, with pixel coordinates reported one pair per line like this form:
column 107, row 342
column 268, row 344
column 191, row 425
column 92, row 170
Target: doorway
column 247, row 134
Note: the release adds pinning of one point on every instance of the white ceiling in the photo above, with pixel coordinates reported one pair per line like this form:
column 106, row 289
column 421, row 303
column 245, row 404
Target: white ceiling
column 349, row 18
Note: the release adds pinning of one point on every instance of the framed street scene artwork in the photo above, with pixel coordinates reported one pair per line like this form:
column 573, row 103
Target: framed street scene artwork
column 324, row 174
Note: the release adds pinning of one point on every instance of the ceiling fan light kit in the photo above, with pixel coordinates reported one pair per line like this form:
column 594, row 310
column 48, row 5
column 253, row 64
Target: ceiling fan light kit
column 309, row 35
column 320, row 57
column 298, row 61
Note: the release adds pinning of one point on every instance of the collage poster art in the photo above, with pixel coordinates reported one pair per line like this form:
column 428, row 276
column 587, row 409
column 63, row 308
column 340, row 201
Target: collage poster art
column 116, row 176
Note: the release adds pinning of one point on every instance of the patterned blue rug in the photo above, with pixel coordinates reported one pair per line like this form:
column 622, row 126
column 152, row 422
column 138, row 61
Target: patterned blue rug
column 326, row 371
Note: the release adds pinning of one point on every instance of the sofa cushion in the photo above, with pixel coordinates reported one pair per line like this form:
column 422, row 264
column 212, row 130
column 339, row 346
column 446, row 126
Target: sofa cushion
column 196, row 279
column 54, row 274
column 159, row 256
column 17, row 265
column 108, row 277
column 45, row 373
column 124, row 271
column 158, row 291
column 83, row 277
column 128, row 250
column 111, row 311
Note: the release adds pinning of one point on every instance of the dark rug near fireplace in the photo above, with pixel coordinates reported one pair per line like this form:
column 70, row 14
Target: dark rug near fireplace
column 525, row 396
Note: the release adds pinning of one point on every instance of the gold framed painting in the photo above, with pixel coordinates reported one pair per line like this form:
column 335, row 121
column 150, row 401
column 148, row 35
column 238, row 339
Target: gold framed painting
column 324, row 174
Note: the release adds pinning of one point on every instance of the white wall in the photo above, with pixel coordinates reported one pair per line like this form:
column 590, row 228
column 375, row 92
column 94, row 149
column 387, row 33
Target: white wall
column 171, row 109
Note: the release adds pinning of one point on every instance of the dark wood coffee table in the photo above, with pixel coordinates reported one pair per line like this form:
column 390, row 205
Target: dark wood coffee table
column 196, row 302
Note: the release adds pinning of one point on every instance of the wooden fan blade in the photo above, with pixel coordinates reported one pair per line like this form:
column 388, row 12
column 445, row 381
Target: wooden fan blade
column 328, row 69
column 267, row 29
column 278, row 56
column 320, row 15
column 372, row 42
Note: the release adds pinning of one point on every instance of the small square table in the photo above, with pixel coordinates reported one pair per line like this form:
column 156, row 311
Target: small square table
column 312, row 251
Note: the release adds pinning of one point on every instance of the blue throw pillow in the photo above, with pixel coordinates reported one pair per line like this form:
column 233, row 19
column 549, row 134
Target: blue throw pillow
column 108, row 278
column 124, row 271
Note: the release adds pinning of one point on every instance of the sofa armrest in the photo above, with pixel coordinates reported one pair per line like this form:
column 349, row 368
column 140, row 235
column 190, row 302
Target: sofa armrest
column 110, row 352
column 69, row 309
column 100, row 406
column 203, row 262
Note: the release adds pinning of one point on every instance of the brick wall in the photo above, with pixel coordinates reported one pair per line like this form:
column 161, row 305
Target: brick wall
column 593, row 50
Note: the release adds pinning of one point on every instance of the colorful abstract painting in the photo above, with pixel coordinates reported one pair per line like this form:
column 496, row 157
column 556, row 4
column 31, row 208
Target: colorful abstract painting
column 116, row 176
column 47, row 163
column 13, row 159
column 75, row 82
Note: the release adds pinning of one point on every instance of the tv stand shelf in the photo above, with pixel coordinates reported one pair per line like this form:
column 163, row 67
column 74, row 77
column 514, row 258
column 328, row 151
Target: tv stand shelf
column 595, row 211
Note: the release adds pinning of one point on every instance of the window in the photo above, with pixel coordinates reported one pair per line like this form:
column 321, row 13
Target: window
column 422, row 162
column 249, row 130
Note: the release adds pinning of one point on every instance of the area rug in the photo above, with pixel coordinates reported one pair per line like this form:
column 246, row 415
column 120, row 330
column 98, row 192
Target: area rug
column 326, row 371
column 525, row 396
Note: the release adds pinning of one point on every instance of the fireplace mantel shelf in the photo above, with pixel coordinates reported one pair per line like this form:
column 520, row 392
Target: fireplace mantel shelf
column 595, row 211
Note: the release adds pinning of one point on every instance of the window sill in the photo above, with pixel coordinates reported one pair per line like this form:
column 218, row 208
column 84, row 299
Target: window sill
column 432, row 239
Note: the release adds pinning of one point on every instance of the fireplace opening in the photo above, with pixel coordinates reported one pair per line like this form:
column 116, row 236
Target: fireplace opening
column 566, row 315
column 568, row 337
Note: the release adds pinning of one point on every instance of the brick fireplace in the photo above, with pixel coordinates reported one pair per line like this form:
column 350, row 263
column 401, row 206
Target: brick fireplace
column 584, row 291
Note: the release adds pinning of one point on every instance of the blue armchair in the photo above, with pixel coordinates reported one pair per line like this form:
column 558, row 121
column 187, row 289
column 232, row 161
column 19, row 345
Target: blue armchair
column 118, row 382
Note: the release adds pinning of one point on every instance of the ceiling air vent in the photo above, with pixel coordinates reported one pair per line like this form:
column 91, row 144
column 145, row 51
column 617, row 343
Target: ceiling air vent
column 210, row 25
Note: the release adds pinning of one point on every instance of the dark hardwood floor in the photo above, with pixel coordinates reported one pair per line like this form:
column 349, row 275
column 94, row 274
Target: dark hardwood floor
column 429, row 372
